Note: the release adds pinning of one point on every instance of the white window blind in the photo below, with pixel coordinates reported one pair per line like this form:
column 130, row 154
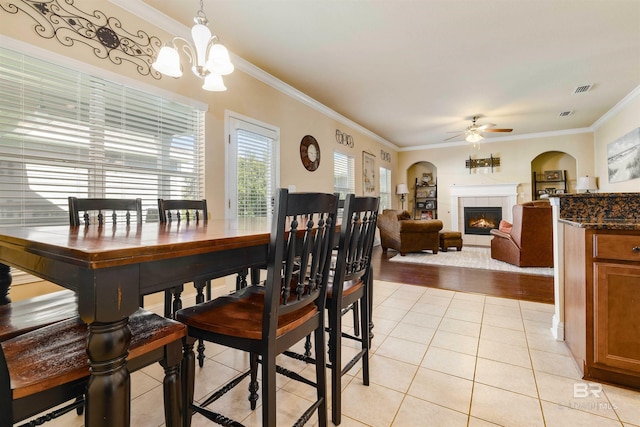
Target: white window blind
column 385, row 189
column 65, row 133
column 344, row 181
column 255, row 174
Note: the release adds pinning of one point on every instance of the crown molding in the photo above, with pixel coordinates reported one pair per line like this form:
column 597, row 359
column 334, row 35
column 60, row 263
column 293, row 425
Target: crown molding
column 616, row 108
column 167, row 23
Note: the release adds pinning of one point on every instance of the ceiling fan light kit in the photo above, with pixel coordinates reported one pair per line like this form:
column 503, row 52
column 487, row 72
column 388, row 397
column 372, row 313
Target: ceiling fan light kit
column 473, row 133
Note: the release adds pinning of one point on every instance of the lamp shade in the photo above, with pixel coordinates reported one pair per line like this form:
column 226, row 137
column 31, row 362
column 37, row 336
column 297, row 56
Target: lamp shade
column 402, row 189
column 214, row 83
column 586, row 183
column 168, row 62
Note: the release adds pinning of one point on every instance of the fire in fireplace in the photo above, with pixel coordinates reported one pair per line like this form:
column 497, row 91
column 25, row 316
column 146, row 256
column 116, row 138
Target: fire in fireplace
column 480, row 220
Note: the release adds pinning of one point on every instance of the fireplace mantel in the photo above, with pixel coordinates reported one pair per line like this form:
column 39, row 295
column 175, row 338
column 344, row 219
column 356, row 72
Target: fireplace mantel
column 505, row 195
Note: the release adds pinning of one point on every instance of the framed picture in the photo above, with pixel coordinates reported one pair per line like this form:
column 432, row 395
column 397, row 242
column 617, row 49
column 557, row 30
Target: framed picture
column 622, row 157
column 421, row 193
column 368, row 174
column 553, row 175
column 429, row 204
column 420, row 205
column 432, row 193
column 426, row 215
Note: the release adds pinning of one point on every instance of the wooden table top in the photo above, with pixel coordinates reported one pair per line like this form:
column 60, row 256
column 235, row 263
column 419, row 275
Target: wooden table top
column 100, row 247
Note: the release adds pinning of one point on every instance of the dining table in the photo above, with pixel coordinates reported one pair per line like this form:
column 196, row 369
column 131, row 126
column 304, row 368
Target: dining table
column 111, row 266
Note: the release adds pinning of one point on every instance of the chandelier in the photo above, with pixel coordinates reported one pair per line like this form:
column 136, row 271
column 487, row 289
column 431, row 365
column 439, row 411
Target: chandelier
column 208, row 57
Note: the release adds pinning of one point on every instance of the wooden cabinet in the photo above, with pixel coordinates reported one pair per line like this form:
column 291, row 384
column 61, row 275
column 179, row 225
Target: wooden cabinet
column 425, row 201
column 545, row 184
column 602, row 303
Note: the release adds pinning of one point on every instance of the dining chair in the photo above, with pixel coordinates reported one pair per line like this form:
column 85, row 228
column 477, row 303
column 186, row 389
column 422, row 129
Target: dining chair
column 349, row 285
column 170, row 210
column 47, row 367
column 93, row 210
column 121, row 211
column 267, row 319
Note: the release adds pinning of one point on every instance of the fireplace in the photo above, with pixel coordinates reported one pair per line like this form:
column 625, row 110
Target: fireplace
column 480, row 220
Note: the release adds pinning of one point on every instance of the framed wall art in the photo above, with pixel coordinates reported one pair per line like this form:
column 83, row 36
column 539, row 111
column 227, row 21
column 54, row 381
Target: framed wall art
column 623, row 157
column 368, row 174
column 553, row 175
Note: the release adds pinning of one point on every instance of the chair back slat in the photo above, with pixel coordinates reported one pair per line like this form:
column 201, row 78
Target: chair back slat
column 177, row 210
column 298, row 265
column 95, row 208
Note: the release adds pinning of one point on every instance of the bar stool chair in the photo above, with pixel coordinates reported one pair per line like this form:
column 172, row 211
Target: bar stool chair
column 266, row 320
column 187, row 210
column 93, row 210
column 120, row 211
column 349, row 285
column 46, row 367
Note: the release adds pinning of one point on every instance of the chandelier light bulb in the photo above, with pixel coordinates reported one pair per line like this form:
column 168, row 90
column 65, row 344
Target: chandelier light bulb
column 219, row 61
column 168, row 62
column 214, row 83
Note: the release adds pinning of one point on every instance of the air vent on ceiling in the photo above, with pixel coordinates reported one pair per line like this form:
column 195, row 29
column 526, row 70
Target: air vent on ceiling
column 565, row 113
column 582, row 89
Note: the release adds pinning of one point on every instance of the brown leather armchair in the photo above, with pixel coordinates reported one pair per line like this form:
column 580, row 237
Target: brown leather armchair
column 399, row 232
column 530, row 241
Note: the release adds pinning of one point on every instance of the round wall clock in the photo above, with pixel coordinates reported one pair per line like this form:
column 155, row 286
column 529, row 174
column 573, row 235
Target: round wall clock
column 310, row 153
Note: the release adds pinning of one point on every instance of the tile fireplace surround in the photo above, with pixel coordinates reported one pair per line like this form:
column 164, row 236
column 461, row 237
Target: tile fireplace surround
column 481, row 195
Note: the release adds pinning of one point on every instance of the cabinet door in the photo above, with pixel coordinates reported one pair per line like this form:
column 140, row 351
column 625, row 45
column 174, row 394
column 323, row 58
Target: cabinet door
column 617, row 315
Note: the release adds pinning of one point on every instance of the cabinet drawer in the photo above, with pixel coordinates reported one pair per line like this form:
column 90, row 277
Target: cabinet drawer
column 611, row 246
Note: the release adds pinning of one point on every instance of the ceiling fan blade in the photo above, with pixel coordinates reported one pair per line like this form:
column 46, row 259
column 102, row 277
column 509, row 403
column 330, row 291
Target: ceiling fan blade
column 483, row 127
column 497, row 130
column 455, row 136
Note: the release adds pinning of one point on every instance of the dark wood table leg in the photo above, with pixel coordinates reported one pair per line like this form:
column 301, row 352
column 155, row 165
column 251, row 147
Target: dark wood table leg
column 5, row 283
column 172, row 385
column 109, row 389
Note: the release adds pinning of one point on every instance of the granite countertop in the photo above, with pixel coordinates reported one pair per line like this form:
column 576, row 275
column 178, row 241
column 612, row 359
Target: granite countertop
column 603, row 224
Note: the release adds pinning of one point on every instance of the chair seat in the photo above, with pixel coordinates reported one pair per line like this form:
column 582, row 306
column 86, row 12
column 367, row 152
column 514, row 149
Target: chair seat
column 350, row 287
column 36, row 363
column 240, row 315
column 26, row 315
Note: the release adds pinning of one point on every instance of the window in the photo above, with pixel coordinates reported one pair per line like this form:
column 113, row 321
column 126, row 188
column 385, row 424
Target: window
column 253, row 171
column 66, row 133
column 385, row 189
column 344, row 174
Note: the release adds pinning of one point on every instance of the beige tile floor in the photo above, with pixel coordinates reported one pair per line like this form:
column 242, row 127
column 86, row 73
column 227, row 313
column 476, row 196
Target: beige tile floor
column 439, row 358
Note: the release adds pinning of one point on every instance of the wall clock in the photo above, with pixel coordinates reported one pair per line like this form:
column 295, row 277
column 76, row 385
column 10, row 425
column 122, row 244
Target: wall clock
column 310, row 153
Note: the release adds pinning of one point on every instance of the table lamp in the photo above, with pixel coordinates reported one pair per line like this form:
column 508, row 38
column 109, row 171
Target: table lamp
column 586, row 184
column 401, row 190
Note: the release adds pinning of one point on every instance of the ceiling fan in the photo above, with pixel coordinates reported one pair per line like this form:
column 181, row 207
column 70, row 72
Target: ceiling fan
column 474, row 132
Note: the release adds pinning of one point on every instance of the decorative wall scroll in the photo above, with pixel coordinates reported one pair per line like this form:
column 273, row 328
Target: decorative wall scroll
column 385, row 156
column 482, row 163
column 344, row 139
column 104, row 35
column 368, row 174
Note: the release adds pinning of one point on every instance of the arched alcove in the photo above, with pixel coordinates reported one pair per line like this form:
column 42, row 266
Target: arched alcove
column 421, row 173
column 544, row 165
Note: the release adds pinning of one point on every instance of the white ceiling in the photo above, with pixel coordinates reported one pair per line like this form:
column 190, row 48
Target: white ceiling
column 411, row 71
